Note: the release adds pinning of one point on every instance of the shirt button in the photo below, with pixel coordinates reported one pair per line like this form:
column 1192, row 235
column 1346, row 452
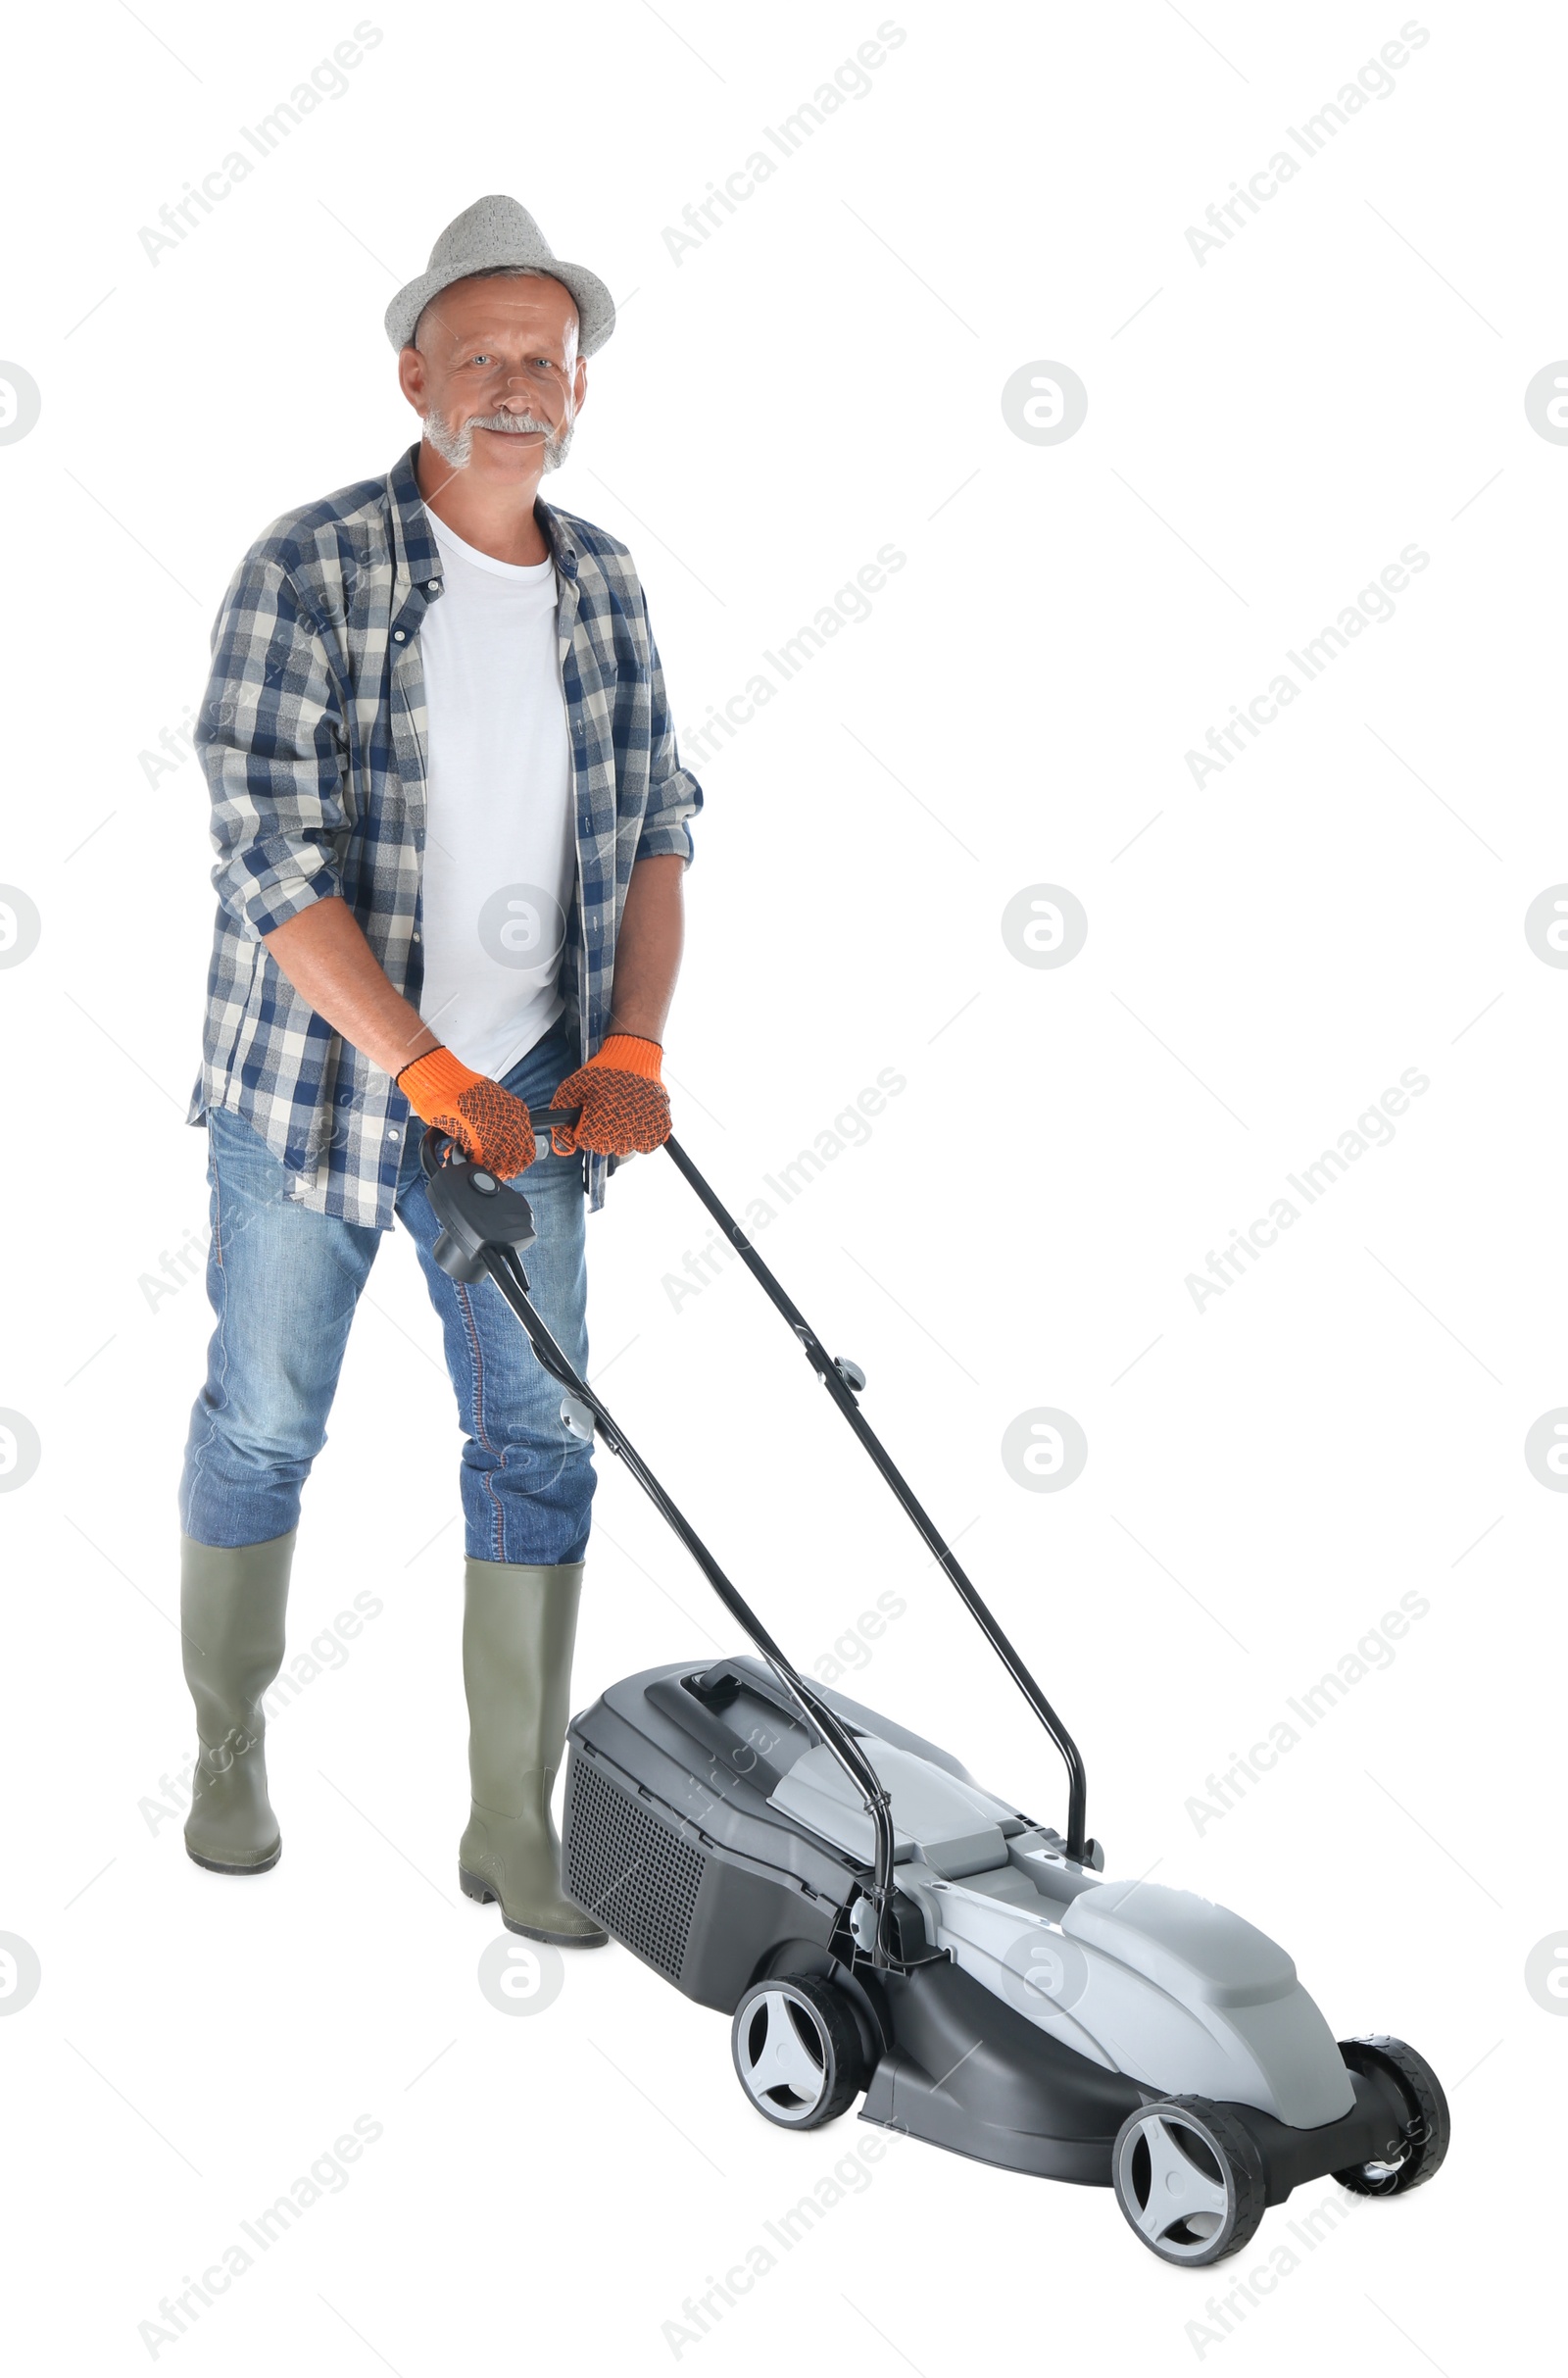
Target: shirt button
column 419, row 937
column 435, row 586
column 398, row 636
column 394, row 1132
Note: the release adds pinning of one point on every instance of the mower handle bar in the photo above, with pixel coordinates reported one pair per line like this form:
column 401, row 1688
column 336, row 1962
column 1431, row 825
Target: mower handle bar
column 841, row 1380
column 474, row 1242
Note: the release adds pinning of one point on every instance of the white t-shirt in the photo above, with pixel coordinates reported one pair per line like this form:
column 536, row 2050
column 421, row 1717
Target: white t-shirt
column 501, row 850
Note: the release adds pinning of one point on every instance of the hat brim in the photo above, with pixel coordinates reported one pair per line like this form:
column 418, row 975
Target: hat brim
column 595, row 307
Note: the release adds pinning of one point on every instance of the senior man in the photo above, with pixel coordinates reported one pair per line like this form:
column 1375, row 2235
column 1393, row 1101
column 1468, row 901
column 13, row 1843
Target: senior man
column 451, row 825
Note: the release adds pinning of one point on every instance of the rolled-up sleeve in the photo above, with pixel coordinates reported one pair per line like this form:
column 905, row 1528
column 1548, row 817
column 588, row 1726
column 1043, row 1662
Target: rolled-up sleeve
column 273, row 748
column 674, row 794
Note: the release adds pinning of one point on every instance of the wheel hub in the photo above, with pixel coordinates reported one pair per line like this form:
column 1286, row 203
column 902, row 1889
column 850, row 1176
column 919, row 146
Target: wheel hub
column 781, row 2056
column 1175, row 2204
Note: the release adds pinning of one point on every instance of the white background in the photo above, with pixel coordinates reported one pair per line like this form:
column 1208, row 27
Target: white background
column 1266, row 1477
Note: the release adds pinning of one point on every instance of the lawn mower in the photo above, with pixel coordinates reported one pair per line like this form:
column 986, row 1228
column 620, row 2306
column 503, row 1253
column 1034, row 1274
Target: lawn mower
column 875, row 1923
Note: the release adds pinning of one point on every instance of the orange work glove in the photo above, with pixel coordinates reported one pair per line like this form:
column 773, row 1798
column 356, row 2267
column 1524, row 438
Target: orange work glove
column 488, row 1123
column 625, row 1107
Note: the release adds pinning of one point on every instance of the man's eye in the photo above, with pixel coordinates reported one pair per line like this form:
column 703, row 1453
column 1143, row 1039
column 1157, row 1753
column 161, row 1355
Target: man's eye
column 481, row 359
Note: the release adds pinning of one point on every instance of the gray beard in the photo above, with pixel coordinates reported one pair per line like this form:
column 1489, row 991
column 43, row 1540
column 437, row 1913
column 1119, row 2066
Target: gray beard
column 455, row 446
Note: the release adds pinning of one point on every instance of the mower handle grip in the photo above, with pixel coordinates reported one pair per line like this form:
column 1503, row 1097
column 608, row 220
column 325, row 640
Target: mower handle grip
column 431, row 1157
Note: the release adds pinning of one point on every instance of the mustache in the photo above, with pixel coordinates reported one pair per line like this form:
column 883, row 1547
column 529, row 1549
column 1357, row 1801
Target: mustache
column 512, row 425
column 455, row 446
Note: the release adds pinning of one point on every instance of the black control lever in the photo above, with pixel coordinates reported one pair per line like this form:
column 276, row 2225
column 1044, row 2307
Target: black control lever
column 474, row 1207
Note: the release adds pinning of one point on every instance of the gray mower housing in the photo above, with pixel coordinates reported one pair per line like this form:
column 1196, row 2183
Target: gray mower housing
column 1158, row 1984
column 714, row 1836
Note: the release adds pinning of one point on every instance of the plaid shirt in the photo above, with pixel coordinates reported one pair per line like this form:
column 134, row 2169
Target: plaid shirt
column 312, row 738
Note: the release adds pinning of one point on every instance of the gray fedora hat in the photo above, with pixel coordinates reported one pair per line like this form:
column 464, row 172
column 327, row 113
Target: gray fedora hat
column 489, row 236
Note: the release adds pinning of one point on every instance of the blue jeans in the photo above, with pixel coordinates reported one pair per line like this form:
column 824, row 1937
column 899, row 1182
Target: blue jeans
column 284, row 1282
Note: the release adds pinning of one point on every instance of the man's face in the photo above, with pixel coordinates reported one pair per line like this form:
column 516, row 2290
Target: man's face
column 496, row 376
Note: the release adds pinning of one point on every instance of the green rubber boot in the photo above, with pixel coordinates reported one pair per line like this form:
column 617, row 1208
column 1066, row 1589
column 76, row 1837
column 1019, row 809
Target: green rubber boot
column 231, row 1604
column 518, row 1626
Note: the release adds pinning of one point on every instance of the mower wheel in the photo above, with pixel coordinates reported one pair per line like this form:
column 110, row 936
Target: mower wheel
column 1189, row 2179
column 1421, row 2142
column 797, row 2051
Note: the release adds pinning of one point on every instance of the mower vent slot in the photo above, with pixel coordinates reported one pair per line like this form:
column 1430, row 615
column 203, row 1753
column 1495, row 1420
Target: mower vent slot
column 627, row 1868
